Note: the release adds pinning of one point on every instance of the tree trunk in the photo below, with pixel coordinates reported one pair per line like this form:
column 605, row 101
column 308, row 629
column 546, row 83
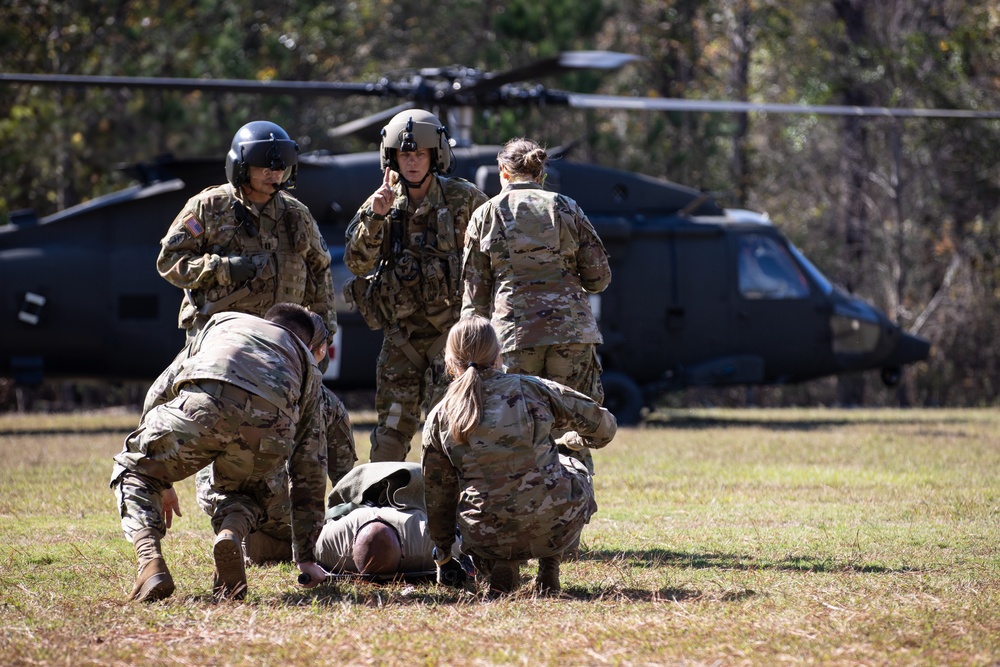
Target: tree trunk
column 851, row 219
column 740, row 41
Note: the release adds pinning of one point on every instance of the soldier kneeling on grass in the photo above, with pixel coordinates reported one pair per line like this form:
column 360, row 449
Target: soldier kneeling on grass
column 246, row 401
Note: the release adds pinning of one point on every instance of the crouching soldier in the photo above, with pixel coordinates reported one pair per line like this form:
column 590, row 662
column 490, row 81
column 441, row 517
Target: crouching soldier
column 246, row 401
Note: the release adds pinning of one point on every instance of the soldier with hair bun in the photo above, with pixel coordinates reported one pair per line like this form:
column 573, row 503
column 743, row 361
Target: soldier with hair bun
column 531, row 259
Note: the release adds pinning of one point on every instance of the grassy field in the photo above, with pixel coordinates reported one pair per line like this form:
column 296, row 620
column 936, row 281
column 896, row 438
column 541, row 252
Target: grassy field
column 724, row 537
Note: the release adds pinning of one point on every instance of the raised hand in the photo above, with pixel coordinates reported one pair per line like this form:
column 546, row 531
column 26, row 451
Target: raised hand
column 384, row 196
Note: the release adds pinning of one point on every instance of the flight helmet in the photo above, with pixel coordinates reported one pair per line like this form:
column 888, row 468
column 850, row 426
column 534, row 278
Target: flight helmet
column 261, row 143
column 412, row 130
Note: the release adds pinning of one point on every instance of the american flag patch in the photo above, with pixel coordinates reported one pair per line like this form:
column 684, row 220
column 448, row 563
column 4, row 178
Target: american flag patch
column 193, row 226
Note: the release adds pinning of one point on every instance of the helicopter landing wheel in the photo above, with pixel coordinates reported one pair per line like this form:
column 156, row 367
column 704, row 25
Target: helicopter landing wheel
column 891, row 375
column 623, row 397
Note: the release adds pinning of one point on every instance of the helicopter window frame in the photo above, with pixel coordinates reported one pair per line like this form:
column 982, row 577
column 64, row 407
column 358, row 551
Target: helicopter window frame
column 824, row 283
column 767, row 271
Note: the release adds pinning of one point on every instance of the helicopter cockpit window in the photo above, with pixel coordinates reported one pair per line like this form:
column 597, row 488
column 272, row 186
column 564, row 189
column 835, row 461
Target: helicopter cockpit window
column 767, row 271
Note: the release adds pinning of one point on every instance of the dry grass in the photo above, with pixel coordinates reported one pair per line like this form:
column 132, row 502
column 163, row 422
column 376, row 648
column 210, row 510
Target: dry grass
column 724, row 538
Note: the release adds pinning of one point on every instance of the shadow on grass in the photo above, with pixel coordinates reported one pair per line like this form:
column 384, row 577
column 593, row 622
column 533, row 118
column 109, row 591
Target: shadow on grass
column 798, row 563
column 693, row 422
column 431, row 595
column 624, row 594
column 374, row 594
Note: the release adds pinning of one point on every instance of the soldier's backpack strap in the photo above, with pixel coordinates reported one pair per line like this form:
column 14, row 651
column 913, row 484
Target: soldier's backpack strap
column 438, row 345
column 395, row 335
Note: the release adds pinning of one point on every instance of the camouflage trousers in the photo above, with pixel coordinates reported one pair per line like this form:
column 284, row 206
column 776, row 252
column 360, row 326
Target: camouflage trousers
column 277, row 522
column 402, row 391
column 241, row 437
column 572, row 364
column 556, row 527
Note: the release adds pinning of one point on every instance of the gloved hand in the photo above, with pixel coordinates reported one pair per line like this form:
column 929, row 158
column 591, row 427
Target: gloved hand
column 451, row 573
column 241, row 269
column 571, row 440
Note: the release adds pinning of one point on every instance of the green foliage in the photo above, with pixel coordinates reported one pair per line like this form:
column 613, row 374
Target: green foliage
column 882, row 206
column 550, row 27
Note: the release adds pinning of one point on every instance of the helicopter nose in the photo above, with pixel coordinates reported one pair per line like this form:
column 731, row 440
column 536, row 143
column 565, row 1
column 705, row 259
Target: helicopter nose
column 909, row 349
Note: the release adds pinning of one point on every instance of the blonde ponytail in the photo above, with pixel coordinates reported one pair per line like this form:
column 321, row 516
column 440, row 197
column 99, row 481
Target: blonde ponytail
column 472, row 349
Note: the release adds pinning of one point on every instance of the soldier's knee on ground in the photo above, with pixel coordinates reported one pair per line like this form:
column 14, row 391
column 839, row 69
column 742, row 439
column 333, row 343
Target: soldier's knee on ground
column 262, row 548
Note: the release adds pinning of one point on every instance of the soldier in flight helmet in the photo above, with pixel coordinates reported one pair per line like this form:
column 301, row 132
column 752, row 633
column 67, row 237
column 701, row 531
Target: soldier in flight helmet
column 248, row 244
column 404, row 247
column 411, row 130
column 262, row 144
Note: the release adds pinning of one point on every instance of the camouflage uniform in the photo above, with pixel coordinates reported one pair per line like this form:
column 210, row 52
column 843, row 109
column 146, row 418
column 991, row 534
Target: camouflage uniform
column 531, row 258
column 288, row 251
column 246, row 402
column 340, row 458
column 514, row 496
column 415, row 295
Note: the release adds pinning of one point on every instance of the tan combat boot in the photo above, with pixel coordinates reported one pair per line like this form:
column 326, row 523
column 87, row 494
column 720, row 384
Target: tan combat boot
column 153, row 581
column 548, row 574
column 504, row 576
column 229, row 581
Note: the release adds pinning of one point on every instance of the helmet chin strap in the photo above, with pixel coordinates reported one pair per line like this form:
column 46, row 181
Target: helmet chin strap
column 410, row 184
column 277, row 187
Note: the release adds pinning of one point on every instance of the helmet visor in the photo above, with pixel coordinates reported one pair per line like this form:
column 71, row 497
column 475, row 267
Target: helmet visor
column 273, row 154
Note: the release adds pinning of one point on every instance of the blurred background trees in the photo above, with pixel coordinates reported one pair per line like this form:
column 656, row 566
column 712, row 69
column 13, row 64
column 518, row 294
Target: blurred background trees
column 901, row 212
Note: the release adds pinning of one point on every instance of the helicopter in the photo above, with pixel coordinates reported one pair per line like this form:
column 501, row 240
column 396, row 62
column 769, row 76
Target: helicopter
column 701, row 295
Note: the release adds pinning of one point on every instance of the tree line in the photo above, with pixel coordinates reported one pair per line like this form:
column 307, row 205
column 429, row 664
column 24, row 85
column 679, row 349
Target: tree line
column 902, row 212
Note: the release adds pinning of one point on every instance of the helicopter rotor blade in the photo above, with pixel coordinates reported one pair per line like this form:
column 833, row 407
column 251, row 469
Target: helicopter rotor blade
column 564, row 62
column 585, row 101
column 304, row 88
column 464, row 87
column 365, row 125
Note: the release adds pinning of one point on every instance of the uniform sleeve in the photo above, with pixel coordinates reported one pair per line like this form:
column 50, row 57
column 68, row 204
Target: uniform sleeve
column 184, row 260
column 591, row 257
column 475, row 200
column 319, row 282
column 341, row 453
column 307, row 471
column 363, row 241
column 477, row 270
column 573, row 411
column 440, row 486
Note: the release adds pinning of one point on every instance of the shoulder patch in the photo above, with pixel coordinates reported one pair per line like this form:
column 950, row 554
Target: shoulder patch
column 175, row 240
column 193, row 226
